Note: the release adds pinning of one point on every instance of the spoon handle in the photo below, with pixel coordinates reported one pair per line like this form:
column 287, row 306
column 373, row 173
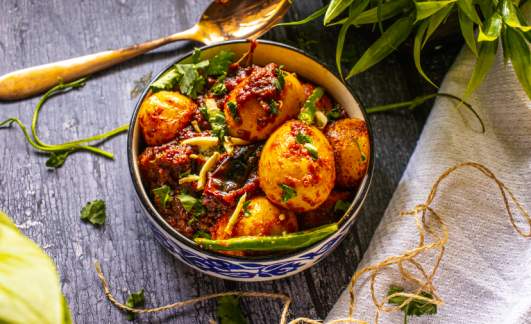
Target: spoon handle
column 31, row 81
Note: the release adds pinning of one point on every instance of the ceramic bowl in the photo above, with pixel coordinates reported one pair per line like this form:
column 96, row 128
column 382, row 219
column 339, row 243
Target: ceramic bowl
column 254, row 268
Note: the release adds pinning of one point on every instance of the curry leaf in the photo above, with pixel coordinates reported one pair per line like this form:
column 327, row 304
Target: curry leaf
column 427, row 8
column 354, row 12
column 467, row 29
column 492, row 29
column 31, row 290
column 484, row 62
column 520, row 55
column 335, row 8
column 94, row 212
column 387, row 43
column 316, row 14
column 467, row 7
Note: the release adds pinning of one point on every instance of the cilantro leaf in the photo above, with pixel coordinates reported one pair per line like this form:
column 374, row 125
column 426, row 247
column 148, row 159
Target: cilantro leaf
column 202, row 234
column 341, row 206
column 216, row 118
column 288, row 192
column 279, row 81
column 335, row 113
column 308, row 110
column 187, row 201
column 273, row 107
column 229, row 311
column 164, row 194
column 134, row 300
column 219, row 87
column 233, row 107
column 57, row 159
column 302, row 138
column 219, row 64
column 167, row 81
column 415, row 307
column 191, row 82
column 94, row 212
column 196, row 55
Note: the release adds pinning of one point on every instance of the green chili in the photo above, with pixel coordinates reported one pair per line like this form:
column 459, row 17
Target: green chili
column 289, row 241
column 307, row 113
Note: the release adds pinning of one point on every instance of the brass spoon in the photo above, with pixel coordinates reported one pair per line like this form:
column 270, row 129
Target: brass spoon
column 219, row 22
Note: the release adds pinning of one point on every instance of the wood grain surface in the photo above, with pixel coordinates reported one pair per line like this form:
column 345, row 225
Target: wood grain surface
column 45, row 204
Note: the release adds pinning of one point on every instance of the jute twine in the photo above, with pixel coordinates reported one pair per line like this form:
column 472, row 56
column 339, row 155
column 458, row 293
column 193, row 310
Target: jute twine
column 433, row 236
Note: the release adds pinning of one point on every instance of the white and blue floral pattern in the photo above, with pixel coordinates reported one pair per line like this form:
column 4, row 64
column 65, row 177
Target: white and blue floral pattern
column 247, row 270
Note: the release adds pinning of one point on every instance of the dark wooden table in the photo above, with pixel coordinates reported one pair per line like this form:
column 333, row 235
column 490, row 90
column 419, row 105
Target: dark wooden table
column 46, row 204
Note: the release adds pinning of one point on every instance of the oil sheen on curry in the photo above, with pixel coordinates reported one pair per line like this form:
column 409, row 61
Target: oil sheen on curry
column 248, row 160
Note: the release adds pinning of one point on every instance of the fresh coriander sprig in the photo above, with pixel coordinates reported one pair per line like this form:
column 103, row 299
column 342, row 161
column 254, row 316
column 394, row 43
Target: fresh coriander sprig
column 413, row 307
column 59, row 152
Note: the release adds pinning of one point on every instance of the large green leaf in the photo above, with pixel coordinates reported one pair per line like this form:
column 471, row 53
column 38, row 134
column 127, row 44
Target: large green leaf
column 468, row 8
column 29, row 285
column 395, row 35
column 424, row 32
column 428, row 8
column 492, row 29
column 314, row 15
column 520, row 55
column 354, row 11
column 467, row 30
column 335, row 8
column 510, row 17
column 387, row 10
column 484, row 62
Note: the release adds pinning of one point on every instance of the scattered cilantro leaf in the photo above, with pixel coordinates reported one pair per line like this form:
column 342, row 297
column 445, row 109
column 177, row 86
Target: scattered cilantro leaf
column 191, row 82
column 273, row 107
column 202, row 234
column 363, row 156
column 415, row 307
column 302, row 138
column 279, row 81
column 216, row 119
column 57, row 159
column 94, row 212
column 246, row 211
column 219, row 87
column 134, row 300
column 312, row 150
column 187, row 201
column 196, row 55
column 335, row 113
column 288, row 192
column 164, row 194
column 219, row 64
column 233, row 107
column 308, row 110
column 229, row 311
column 167, row 81
column 341, row 206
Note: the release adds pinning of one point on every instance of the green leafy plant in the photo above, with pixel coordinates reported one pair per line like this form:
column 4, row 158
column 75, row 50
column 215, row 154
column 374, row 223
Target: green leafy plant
column 135, row 299
column 494, row 20
column 94, row 212
column 413, row 307
column 31, row 291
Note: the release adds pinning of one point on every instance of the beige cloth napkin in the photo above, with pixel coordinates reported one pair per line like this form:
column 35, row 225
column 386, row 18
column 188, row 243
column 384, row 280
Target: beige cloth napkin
column 485, row 275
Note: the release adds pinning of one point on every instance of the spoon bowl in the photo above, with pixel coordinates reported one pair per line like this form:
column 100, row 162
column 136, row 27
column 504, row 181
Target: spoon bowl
column 221, row 21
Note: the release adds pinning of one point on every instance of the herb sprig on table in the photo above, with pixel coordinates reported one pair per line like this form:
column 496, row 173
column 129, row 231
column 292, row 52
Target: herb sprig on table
column 495, row 20
column 58, row 153
column 413, row 307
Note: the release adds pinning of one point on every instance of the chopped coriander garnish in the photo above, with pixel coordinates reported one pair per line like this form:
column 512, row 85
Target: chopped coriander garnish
column 219, row 64
column 246, row 211
column 164, row 194
column 341, row 206
column 273, row 107
column 415, row 306
column 94, row 212
column 303, row 138
column 219, row 87
column 279, row 81
column 312, row 150
column 196, row 55
column 307, row 113
column 215, row 118
column 134, row 300
column 363, row 157
column 288, row 192
column 335, row 113
column 202, row 234
column 233, row 107
column 187, row 201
